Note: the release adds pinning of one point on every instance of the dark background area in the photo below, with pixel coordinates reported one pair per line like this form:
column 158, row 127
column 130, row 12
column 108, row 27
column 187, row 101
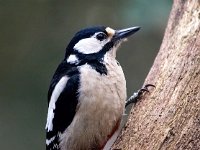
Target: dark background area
column 33, row 37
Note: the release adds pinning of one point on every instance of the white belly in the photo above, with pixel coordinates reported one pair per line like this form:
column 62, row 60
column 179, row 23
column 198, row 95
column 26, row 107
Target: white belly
column 101, row 106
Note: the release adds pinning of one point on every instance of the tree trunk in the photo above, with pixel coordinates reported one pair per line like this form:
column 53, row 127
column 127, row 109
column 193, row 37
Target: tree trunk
column 169, row 116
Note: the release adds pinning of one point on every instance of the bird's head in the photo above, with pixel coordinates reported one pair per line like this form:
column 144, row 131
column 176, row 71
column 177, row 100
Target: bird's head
column 95, row 42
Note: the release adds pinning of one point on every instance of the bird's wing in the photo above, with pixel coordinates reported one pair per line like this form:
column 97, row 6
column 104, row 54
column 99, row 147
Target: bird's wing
column 62, row 98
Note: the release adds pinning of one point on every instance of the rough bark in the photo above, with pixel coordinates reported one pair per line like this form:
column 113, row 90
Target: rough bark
column 169, row 116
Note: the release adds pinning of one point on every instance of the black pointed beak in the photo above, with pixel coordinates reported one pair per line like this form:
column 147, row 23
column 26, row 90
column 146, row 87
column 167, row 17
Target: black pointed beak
column 124, row 33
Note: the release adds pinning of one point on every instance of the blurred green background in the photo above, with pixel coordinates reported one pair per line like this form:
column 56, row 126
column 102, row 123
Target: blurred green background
column 33, row 37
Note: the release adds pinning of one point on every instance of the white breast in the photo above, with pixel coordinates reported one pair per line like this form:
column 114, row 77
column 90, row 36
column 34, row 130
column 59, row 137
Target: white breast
column 102, row 99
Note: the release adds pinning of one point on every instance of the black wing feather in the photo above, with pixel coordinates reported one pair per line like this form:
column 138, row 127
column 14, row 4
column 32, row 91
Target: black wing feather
column 66, row 104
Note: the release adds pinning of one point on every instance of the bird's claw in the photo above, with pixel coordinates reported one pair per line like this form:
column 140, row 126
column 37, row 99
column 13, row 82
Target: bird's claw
column 134, row 98
column 145, row 89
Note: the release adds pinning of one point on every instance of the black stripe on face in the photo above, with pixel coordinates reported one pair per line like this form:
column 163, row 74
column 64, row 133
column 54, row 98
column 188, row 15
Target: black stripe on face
column 95, row 62
column 99, row 67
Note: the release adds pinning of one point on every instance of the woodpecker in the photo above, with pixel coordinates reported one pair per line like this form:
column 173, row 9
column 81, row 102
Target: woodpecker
column 87, row 94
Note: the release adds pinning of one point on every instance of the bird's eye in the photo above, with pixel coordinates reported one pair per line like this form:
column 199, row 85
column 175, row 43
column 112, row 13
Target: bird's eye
column 101, row 36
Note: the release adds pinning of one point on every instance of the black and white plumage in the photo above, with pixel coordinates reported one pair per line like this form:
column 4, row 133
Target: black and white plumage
column 87, row 93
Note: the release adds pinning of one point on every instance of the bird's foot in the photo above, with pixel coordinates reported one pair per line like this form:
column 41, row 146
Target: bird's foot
column 137, row 95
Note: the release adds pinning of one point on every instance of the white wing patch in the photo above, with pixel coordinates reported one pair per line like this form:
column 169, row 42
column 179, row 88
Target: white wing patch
column 50, row 140
column 72, row 59
column 55, row 94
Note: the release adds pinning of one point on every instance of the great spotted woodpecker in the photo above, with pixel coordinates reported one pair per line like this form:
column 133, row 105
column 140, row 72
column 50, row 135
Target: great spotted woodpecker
column 87, row 94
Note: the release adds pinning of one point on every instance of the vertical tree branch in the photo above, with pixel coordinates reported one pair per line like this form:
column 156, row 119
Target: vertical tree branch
column 169, row 117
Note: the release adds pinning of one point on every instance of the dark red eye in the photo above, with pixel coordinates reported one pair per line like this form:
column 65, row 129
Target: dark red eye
column 101, row 36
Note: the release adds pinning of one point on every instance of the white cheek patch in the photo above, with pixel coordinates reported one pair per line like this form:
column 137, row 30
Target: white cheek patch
column 52, row 104
column 72, row 59
column 89, row 45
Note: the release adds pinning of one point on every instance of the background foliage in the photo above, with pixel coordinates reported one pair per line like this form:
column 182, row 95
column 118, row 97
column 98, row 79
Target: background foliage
column 33, row 37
